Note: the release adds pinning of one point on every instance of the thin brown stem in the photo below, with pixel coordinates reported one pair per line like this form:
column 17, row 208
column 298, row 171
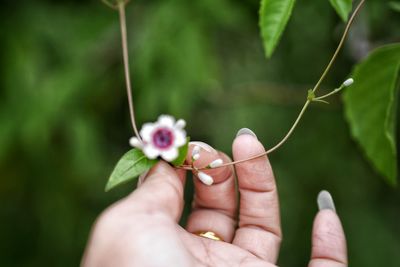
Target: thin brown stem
column 329, row 94
column 339, row 47
column 121, row 9
column 289, row 133
column 303, row 110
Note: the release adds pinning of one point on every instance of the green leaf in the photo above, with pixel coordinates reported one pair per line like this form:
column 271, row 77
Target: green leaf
column 183, row 150
column 274, row 15
column 342, row 8
column 370, row 106
column 132, row 164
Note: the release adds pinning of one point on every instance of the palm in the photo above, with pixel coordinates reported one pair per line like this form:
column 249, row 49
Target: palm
column 206, row 252
column 191, row 250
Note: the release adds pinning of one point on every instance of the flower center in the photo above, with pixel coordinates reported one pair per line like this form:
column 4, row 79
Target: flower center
column 163, row 138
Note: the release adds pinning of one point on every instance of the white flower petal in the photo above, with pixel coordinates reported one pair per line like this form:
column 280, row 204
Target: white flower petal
column 135, row 142
column 166, row 120
column 151, row 152
column 180, row 124
column 146, row 131
column 205, row 178
column 180, row 137
column 170, row 154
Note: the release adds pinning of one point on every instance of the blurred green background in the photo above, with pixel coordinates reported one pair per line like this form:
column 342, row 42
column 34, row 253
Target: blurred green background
column 64, row 115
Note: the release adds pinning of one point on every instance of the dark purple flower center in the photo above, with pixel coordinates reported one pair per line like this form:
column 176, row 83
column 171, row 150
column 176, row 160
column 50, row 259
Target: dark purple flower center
column 163, row 138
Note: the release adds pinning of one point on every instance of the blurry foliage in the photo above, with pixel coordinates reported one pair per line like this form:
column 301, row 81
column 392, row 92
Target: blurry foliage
column 274, row 15
column 342, row 7
column 64, row 118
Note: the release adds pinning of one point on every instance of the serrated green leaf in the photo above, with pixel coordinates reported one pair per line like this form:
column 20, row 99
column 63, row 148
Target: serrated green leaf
column 370, row 107
column 342, row 8
column 132, row 164
column 274, row 15
column 183, row 150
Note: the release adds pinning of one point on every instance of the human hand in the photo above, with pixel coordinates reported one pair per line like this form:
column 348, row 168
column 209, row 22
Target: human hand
column 143, row 230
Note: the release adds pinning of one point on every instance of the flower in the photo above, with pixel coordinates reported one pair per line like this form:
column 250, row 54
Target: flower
column 161, row 138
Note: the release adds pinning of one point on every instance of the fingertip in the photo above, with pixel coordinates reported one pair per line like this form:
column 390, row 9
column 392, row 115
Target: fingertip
column 161, row 167
column 328, row 239
column 325, row 201
column 246, row 144
column 162, row 191
column 207, row 155
column 246, row 131
column 199, row 146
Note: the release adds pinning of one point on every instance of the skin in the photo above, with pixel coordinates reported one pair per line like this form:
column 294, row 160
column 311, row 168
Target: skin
column 142, row 229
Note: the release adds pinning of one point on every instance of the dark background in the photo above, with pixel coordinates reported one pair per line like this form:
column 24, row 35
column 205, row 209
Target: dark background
column 64, row 116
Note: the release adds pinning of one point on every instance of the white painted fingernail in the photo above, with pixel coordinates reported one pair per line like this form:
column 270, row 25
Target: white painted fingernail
column 247, row 131
column 205, row 178
column 204, row 146
column 181, row 123
column 325, row 201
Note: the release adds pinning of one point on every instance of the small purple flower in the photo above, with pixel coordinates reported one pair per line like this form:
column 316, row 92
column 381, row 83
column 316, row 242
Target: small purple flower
column 162, row 138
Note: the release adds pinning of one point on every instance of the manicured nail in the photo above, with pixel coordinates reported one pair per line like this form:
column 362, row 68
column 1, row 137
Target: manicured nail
column 325, row 201
column 142, row 178
column 244, row 131
column 204, row 146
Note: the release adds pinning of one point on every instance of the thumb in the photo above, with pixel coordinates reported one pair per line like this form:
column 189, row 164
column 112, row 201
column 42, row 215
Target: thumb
column 161, row 191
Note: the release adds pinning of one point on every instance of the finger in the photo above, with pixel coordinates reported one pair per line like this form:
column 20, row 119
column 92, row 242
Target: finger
column 214, row 207
column 259, row 222
column 161, row 191
column 180, row 172
column 328, row 240
column 141, row 178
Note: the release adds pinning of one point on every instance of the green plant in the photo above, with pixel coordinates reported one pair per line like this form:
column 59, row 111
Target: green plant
column 372, row 122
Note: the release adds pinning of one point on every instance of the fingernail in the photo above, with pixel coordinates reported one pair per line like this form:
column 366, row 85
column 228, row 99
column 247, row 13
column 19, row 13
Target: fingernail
column 142, row 178
column 204, row 146
column 325, row 201
column 247, row 131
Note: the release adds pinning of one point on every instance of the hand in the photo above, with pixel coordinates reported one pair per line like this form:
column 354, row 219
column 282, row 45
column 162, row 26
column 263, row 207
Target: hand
column 142, row 229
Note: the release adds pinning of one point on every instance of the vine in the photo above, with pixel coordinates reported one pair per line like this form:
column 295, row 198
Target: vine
column 163, row 137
